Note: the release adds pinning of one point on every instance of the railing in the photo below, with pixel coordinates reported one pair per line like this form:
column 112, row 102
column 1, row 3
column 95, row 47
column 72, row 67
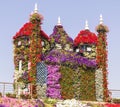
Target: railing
column 115, row 93
column 6, row 87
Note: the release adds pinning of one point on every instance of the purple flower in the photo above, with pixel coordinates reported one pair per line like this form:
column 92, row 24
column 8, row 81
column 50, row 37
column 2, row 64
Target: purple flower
column 39, row 103
column 1, row 105
column 71, row 58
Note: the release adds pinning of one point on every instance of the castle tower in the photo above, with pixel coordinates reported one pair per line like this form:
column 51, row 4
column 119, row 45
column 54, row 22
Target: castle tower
column 29, row 43
column 60, row 39
column 85, row 43
column 102, row 56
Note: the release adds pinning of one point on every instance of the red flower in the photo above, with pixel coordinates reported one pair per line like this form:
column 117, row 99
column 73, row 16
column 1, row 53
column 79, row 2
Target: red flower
column 85, row 36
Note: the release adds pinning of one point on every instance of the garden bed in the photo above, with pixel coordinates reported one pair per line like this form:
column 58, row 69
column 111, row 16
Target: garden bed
column 14, row 102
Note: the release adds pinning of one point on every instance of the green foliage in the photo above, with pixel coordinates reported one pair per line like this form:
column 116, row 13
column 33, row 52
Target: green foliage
column 87, row 85
column 66, row 82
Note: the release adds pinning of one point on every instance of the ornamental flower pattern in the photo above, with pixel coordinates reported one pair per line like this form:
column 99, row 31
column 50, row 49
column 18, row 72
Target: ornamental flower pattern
column 32, row 45
column 53, row 86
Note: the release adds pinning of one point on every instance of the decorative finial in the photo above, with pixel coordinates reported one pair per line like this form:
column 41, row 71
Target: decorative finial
column 59, row 23
column 101, row 19
column 86, row 25
column 36, row 8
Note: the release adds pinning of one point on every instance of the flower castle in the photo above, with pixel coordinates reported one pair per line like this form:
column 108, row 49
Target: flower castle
column 59, row 66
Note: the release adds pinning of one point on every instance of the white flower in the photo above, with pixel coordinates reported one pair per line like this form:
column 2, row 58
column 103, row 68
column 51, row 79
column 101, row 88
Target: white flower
column 70, row 103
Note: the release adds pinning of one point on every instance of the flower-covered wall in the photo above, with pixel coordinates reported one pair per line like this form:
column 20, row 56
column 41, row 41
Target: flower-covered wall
column 63, row 68
column 69, row 77
column 30, row 42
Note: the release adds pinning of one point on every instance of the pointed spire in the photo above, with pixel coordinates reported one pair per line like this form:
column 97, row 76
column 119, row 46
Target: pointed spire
column 86, row 25
column 59, row 23
column 36, row 8
column 101, row 19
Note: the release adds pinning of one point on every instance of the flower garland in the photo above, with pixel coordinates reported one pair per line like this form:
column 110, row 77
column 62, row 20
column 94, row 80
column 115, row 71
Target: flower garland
column 102, row 57
column 85, row 36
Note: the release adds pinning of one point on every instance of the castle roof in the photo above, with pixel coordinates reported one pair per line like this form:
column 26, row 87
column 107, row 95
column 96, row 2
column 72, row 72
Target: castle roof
column 26, row 30
column 60, row 35
column 85, row 36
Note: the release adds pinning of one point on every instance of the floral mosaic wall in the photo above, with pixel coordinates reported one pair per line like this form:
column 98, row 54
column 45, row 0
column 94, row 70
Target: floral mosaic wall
column 69, row 79
column 73, row 66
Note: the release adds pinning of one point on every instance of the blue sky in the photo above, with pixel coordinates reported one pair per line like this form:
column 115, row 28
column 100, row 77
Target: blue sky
column 15, row 13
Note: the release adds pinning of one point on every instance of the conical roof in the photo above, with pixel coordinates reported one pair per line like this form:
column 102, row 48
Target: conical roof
column 26, row 30
column 60, row 36
column 85, row 36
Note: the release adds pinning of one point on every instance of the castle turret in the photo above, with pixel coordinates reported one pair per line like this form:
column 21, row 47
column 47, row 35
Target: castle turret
column 102, row 55
column 85, row 43
column 29, row 43
column 60, row 39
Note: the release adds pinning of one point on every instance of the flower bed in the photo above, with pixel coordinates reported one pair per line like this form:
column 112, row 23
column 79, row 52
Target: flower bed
column 11, row 102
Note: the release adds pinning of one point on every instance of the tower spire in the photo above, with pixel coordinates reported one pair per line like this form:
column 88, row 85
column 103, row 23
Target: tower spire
column 101, row 19
column 86, row 25
column 36, row 8
column 59, row 22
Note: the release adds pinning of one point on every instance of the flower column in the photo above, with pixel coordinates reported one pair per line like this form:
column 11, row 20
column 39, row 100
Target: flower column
column 35, row 48
column 102, row 55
